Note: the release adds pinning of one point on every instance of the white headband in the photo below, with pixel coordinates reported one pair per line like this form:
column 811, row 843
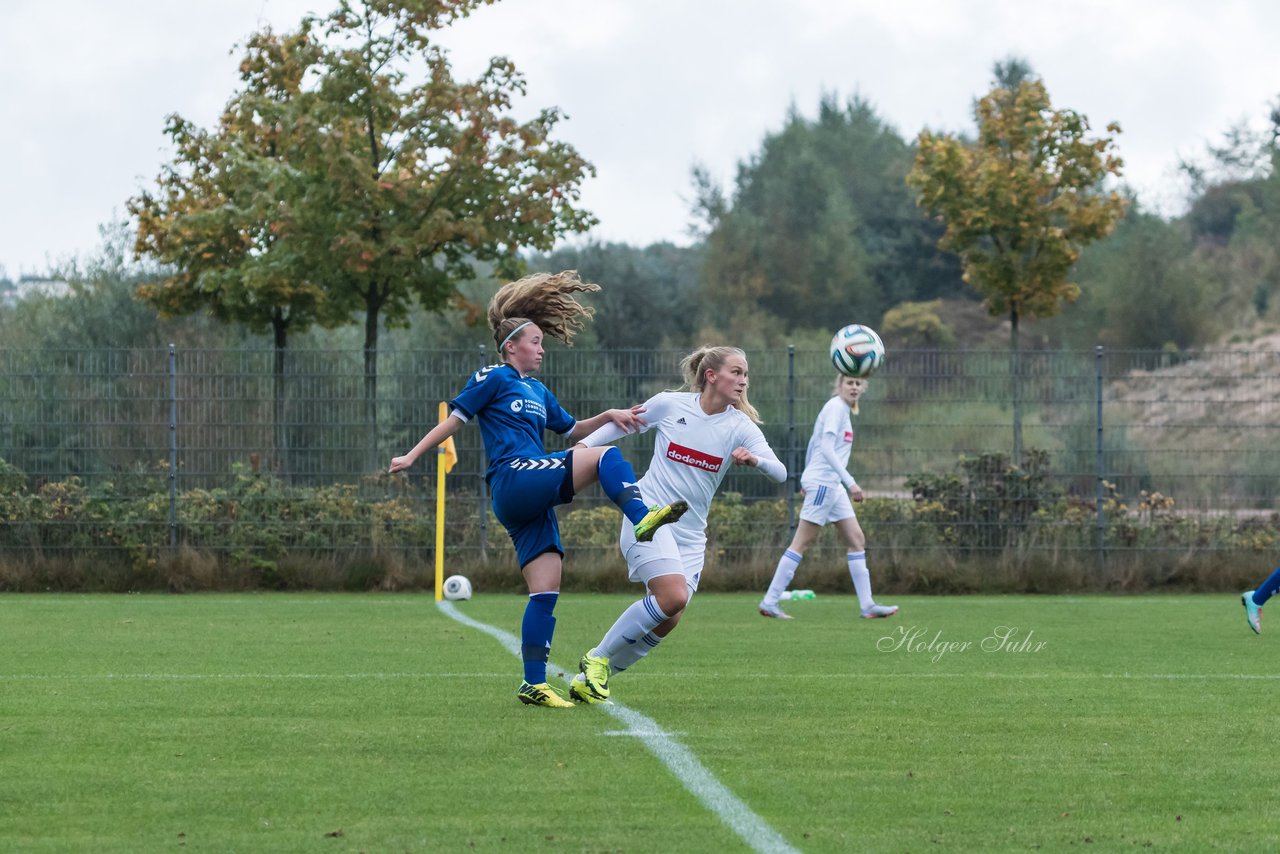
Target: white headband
column 512, row 335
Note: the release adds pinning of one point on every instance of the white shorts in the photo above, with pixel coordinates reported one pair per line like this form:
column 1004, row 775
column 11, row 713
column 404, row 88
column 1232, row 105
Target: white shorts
column 825, row 503
column 660, row 556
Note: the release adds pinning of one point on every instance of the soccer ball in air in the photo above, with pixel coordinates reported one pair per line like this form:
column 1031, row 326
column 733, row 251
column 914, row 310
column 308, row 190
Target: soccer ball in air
column 457, row 587
column 857, row 351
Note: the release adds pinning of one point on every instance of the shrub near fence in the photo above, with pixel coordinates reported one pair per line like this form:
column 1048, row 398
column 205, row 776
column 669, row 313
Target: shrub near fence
column 153, row 469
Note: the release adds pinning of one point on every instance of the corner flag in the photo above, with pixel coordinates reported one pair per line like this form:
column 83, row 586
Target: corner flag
column 448, row 452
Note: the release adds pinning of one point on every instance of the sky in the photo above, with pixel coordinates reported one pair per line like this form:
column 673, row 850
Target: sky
column 650, row 88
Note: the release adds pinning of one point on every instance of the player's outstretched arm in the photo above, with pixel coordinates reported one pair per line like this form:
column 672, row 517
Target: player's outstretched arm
column 434, row 437
column 617, row 421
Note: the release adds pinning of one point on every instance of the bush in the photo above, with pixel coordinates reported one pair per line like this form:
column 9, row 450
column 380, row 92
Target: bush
column 917, row 325
column 989, row 504
column 989, row 526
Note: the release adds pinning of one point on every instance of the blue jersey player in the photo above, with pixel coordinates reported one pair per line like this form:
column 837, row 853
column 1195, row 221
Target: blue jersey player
column 513, row 410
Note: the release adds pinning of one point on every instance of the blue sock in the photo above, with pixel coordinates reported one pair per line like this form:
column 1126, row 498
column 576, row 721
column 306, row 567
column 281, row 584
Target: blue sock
column 1267, row 589
column 618, row 480
column 538, row 626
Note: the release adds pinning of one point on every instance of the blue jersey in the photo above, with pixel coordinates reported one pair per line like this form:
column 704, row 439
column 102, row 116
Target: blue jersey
column 513, row 412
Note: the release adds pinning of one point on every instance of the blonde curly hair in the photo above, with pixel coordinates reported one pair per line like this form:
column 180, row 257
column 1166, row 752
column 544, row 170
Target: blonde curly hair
column 544, row 299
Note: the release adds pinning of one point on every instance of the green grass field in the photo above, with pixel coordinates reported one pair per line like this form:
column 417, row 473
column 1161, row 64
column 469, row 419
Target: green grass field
column 278, row 722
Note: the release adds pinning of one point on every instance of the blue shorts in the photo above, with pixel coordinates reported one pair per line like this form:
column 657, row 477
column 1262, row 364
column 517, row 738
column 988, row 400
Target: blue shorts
column 525, row 493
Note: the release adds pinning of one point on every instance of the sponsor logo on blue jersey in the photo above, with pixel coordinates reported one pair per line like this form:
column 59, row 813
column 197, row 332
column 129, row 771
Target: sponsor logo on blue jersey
column 533, row 407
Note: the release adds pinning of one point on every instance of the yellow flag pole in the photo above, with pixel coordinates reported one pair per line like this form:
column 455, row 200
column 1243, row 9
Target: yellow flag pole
column 440, row 473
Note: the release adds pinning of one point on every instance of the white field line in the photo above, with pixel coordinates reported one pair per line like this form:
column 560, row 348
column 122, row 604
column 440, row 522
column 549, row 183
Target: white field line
column 691, row 773
column 427, row 674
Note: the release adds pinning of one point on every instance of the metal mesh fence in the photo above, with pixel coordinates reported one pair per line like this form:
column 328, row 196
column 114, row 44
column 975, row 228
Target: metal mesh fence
column 237, row 453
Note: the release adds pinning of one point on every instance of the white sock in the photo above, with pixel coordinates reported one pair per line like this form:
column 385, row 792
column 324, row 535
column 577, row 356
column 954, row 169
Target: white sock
column 861, row 579
column 640, row 618
column 630, row 653
column 787, row 565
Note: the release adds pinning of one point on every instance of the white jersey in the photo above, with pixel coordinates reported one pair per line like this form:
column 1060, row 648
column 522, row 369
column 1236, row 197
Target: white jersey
column 691, row 456
column 836, row 426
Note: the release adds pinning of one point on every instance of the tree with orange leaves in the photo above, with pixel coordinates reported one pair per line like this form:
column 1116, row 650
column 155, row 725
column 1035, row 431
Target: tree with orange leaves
column 1020, row 201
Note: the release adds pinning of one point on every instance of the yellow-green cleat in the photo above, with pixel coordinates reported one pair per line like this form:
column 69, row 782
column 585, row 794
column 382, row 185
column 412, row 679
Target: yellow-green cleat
column 578, row 690
column 659, row 516
column 591, row 685
column 542, row 695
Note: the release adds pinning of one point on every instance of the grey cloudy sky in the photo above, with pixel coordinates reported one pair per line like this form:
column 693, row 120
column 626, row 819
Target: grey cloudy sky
column 649, row 87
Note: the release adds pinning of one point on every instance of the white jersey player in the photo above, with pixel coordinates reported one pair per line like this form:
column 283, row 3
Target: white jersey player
column 700, row 434
column 828, row 488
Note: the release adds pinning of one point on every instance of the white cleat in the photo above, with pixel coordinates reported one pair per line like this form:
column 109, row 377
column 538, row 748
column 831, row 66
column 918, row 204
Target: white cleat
column 879, row 611
column 767, row 610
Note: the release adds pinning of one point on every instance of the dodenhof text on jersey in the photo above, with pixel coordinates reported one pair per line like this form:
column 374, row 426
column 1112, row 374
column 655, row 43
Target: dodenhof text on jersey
column 695, row 458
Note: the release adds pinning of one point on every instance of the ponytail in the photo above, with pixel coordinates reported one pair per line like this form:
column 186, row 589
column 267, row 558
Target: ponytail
column 694, row 367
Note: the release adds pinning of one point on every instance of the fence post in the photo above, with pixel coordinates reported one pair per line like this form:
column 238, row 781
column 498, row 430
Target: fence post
column 484, row 493
column 1098, row 495
column 173, row 447
column 791, row 436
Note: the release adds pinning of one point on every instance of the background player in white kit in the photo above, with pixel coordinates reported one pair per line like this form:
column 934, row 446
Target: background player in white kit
column 828, row 486
column 700, row 434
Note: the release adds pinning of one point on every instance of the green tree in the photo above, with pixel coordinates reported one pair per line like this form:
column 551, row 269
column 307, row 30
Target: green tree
column 1234, row 219
column 1019, row 203
column 1262, row 231
column 820, row 217
column 99, row 310
column 1141, row 288
column 352, row 173
column 789, row 246
column 1242, row 156
column 224, row 216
